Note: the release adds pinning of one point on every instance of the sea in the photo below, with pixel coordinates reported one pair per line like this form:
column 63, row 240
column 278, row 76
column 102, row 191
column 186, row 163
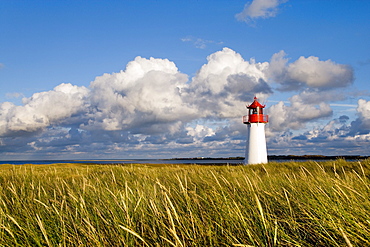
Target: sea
column 128, row 161
column 199, row 161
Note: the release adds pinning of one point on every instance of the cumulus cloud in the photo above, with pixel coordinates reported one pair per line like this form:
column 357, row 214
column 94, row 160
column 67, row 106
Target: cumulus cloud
column 364, row 108
column 339, row 136
column 146, row 97
column 334, row 138
column 309, row 72
column 200, row 131
column 259, row 9
column 42, row 109
column 225, row 82
column 298, row 112
column 152, row 106
column 362, row 124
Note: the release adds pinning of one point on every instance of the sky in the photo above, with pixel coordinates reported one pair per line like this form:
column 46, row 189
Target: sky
column 171, row 79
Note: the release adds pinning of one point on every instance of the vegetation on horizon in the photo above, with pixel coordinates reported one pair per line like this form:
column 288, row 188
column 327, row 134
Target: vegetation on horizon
column 275, row 204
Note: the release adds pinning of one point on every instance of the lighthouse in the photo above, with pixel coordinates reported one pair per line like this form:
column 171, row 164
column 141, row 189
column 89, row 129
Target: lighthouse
column 255, row 152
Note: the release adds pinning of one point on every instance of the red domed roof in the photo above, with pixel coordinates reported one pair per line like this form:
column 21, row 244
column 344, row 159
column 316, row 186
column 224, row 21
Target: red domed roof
column 255, row 104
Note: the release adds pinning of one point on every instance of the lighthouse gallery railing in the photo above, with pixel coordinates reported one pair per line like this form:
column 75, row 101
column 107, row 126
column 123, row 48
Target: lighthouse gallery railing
column 255, row 118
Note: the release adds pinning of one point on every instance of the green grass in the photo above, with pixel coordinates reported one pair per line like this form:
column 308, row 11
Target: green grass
column 275, row 204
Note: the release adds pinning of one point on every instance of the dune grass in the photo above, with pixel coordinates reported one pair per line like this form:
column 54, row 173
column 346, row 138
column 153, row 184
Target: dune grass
column 275, row 204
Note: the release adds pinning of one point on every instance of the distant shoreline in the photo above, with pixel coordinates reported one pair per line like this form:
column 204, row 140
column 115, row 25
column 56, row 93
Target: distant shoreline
column 287, row 157
column 195, row 160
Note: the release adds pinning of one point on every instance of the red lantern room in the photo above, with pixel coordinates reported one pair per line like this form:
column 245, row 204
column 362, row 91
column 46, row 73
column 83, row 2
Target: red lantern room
column 255, row 114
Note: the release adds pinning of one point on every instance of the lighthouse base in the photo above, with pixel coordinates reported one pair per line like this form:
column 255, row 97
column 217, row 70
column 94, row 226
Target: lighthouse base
column 256, row 152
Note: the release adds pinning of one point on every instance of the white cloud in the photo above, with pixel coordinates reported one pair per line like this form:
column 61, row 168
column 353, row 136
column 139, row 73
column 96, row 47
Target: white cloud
column 42, row 109
column 297, row 114
column 150, row 106
column 362, row 123
column 339, row 136
column 199, row 42
column 259, row 9
column 152, row 96
column 334, row 138
column 200, row 131
column 187, row 39
column 320, row 74
column 225, row 82
column 13, row 95
column 309, row 72
column 364, row 108
column 148, row 93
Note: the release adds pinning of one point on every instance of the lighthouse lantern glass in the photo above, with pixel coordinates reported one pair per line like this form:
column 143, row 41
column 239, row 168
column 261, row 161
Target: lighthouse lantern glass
column 257, row 110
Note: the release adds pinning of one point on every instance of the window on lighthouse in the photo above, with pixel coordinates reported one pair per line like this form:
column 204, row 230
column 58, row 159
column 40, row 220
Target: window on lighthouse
column 255, row 111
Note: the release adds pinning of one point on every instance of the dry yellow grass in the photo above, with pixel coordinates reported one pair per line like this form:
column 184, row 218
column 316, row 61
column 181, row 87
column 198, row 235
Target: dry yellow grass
column 275, row 204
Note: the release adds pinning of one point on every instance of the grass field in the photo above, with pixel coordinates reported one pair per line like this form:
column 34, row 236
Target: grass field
column 276, row 204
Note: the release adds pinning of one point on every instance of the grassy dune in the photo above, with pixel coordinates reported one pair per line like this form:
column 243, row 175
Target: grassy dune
column 276, row 204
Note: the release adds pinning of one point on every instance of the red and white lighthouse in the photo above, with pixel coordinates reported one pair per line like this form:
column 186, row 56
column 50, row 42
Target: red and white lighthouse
column 255, row 152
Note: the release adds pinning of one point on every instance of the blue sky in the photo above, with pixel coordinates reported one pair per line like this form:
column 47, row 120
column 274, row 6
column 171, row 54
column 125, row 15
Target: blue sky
column 163, row 79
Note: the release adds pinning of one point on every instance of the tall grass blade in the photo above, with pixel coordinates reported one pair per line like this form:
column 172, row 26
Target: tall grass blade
column 134, row 234
column 42, row 228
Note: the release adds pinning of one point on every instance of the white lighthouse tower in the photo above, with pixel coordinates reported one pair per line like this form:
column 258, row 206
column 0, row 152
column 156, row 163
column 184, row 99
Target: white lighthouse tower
column 255, row 152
